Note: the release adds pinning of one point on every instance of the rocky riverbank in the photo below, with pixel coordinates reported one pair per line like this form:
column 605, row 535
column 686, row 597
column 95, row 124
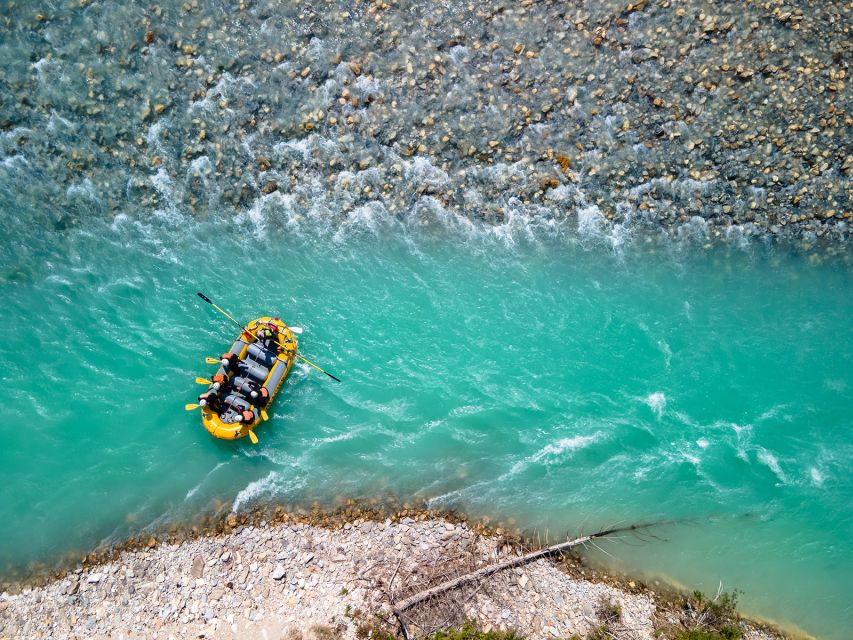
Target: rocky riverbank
column 291, row 579
column 709, row 121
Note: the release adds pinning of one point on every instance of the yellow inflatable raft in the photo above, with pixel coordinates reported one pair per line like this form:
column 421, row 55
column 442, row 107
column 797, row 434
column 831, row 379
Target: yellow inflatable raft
column 248, row 379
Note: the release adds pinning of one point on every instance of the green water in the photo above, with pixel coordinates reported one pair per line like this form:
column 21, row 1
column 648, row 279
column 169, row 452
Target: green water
column 551, row 368
column 502, row 372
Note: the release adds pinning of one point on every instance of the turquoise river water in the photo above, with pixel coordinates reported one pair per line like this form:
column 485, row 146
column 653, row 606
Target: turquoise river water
column 497, row 370
column 619, row 342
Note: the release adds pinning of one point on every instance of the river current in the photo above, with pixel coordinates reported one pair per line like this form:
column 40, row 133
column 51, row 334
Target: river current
column 512, row 344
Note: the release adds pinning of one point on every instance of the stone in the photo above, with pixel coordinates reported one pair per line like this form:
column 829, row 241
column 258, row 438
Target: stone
column 197, row 569
column 269, row 187
column 94, row 578
column 279, row 572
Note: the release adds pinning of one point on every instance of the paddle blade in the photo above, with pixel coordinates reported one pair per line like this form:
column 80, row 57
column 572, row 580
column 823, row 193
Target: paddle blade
column 253, row 437
column 264, row 415
column 203, row 297
column 210, row 360
column 191, row 406
column 296, row 330
column 202, row 381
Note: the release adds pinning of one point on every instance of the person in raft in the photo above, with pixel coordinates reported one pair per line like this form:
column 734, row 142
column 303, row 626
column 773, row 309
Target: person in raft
column 251, row 390
column 210, row 399
column 268, row 337
column 213, row 396
column 230, row 362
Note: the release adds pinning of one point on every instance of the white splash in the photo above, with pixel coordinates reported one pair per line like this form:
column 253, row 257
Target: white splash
column 656, row 402
column 590, row 221
column 702, row 443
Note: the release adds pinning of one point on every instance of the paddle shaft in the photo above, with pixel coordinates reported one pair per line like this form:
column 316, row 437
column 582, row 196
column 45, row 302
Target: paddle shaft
column 225, row 313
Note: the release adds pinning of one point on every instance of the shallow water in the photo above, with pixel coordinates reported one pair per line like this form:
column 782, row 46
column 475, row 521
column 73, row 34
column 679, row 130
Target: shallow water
column 517, row 336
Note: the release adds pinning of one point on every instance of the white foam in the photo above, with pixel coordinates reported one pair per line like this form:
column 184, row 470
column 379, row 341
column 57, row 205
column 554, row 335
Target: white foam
column 656, row 402
column 421, row 171
column 590, row 221
column 255, row 490
column 465, row 410
column 560, row 193
column 772, row 463
column 369, row 218
column 10, row 162
column 564, row 445
column 694, row 229
column 340, row 437
column 691, row 458
column 83, row 189
column 56, row 119
column 816, row 477
column 667, row 352
column 702, row 443
column 551, row 451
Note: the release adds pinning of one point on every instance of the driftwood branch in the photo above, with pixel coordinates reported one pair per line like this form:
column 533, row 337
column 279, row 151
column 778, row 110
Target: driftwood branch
column 400, row 608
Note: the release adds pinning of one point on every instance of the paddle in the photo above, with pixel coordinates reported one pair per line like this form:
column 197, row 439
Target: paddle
column 305, row 360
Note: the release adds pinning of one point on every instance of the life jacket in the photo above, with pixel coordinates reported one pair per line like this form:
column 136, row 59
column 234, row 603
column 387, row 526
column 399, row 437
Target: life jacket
column 210, row 400
column 231, row 362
